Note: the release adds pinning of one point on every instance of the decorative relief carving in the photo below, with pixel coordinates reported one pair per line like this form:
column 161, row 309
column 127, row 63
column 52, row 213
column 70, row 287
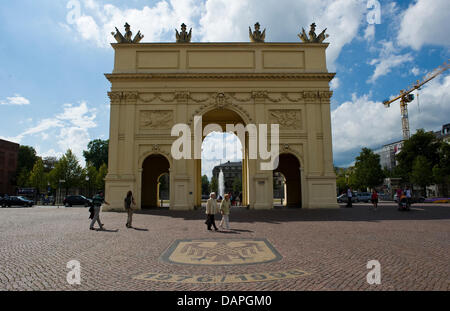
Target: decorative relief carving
column 287, row 119
column 130, row 96
column 311, row 95
column 221, row 100
column 202, row 99
column 115, row 96
column 293, row 99
column 158, row 119
column 259, row 94
column 325, row 95
column 182, row 96
column 241, row 99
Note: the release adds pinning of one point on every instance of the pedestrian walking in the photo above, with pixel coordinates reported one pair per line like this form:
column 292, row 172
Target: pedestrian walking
column 97, row 201
column 128, row 204
column 211, row 210
column 349, row 197
column 374, row 199
column 399, row 193
column 408, row 196
column 225, row 206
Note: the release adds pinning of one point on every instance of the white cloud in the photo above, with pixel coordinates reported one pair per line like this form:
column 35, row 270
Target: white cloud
column 369, row 33
column 70, row 128
column 425, row 22
column 335, row 83
column 225, row 20
column 363, row 122
column 415, row 71
column 16, row 100
column 387, row 60
column 219, row 148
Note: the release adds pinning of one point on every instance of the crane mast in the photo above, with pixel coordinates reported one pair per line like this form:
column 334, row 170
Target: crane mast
column 406, row 97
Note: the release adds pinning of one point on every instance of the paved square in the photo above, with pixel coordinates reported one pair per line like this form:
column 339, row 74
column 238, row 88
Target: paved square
column 314, row 249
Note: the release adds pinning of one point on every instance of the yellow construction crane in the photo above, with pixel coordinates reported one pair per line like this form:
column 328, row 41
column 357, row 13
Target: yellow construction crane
column 406, row 97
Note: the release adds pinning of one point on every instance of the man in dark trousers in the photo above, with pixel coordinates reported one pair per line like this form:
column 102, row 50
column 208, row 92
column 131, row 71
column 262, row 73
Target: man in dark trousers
column 97, row 201
column 211, row 210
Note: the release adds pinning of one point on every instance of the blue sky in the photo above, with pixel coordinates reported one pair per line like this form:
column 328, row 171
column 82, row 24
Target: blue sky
column 53, row 94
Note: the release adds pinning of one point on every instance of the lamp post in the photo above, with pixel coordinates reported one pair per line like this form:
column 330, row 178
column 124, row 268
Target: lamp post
column 88, row 188
column 60, row 181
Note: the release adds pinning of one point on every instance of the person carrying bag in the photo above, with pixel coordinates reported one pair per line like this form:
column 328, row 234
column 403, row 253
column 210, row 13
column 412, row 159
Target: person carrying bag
column 128, row 204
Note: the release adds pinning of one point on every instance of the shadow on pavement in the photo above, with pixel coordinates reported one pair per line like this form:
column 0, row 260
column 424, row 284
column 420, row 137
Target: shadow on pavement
column 359, row 212
column 139, row 229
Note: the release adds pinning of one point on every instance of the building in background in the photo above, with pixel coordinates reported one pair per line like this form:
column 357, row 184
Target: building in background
column 444, row 134
column 9, row 152
column 387, row 154
column 231, row 171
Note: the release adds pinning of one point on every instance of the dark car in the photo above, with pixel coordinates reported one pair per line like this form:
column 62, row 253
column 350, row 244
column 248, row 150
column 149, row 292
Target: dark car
column 71, row 200
column 17, row 201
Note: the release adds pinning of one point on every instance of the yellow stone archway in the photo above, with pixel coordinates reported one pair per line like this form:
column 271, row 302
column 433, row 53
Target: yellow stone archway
column 157, row 85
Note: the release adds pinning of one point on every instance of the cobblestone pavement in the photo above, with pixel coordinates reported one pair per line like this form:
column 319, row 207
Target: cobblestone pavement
column 332, row 246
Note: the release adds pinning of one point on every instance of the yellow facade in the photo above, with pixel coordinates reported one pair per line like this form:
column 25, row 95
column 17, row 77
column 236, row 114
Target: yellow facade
column 157, row 85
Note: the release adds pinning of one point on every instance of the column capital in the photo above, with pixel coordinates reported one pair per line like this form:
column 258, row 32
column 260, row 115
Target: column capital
column 115, row 97
column 130, row 96
column 311, row 96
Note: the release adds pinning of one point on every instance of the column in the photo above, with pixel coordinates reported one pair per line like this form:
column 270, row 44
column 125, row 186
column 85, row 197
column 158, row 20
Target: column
column 130, row 100
column 327, row 135
column 115, row 100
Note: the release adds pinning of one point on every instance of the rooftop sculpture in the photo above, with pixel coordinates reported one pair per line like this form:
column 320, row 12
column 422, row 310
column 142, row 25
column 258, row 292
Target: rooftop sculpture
column 313, row 38
column 257, row 35
column 184, row 36
column 128, row 35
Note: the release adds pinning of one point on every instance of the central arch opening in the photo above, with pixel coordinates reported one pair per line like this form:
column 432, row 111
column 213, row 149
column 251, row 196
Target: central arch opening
column 223, row 166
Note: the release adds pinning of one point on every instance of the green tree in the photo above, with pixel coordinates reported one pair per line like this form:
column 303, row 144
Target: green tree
column 100, row 180
column 214, row 185
column 69, row 170
column 97, row 153
column 91, row 173
column 237, row 185
column 422, row 173
column 37, row 176
column 368, row 171
column 25, row 162
column 205, row 184
column 441, row 171
column 420, row 144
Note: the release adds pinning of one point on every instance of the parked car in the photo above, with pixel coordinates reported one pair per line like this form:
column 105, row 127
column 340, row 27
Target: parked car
column 1, row 201
column 363, row 197
column 17, row 201
column 71, row 200
column 343, row 198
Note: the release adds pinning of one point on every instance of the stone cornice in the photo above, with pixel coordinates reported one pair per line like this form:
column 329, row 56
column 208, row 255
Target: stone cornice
column 221, row 76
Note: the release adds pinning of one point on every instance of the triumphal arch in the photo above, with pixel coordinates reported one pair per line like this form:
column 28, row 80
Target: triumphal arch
column 155, row 86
